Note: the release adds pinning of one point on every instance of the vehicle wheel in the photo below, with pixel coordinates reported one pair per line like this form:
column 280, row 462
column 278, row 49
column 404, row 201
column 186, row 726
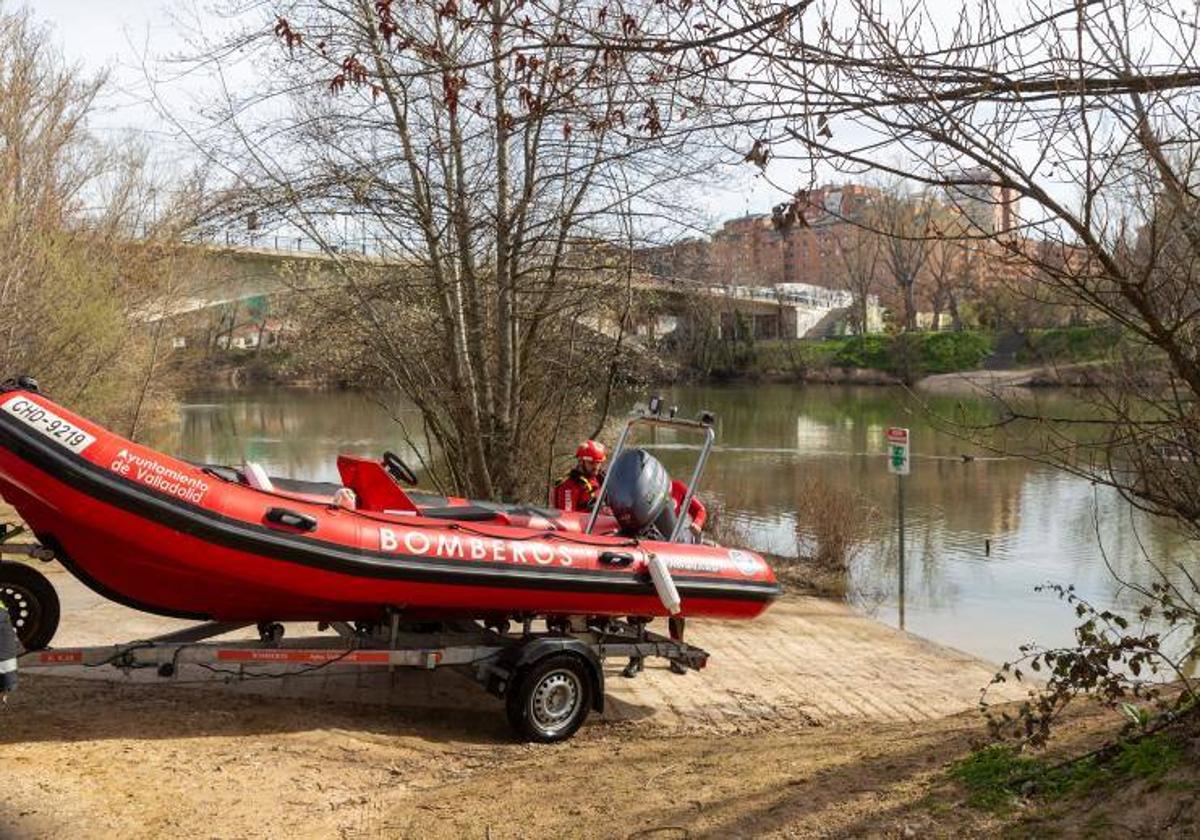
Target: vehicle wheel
column 551, row 699
column 32, row 604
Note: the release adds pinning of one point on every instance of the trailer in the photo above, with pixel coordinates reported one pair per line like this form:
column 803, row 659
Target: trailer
column 548, row 672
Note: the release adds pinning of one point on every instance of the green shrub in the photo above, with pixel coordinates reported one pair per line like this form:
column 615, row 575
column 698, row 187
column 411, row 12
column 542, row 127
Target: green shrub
column 1149, row 758
column 947, row 352
column 908, row 354
column 915, row 353
column 1068, row 344
column 997, row 775
column 865, row 351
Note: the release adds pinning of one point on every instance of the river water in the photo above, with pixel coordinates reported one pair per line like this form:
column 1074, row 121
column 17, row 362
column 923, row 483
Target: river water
column 983, row 531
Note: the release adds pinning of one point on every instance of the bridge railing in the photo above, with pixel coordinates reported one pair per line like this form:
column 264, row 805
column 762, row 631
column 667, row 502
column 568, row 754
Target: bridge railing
column 799, row 294
column 289, row 242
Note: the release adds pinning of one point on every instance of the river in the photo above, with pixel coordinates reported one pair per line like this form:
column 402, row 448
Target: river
column 983, row 531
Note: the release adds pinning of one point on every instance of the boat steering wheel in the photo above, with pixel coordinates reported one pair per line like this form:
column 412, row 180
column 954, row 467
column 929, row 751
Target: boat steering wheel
column 398, row 469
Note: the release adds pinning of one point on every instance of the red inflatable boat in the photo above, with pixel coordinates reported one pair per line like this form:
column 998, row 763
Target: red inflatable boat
column 166, row 536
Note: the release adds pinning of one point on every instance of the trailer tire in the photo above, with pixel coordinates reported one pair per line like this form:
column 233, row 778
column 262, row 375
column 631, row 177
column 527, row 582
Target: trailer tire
column 32, row 603
column 550, row 699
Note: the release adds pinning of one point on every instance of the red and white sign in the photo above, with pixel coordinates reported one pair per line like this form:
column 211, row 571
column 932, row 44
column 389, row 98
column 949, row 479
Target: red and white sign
column 897, row 446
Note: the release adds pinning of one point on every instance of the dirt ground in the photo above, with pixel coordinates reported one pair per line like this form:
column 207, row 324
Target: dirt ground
column 132, row 761
column 810, row 722
column 94, row 759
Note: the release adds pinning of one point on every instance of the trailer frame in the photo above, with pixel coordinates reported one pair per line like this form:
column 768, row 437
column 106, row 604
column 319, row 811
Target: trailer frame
column 543, row 705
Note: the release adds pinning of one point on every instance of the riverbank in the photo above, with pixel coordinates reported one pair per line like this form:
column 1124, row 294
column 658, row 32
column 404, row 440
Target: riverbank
column 809, row 722
column 705, row 755
column 428, row 754
column 988, row 382
column 133, row 762
column 1061, row 357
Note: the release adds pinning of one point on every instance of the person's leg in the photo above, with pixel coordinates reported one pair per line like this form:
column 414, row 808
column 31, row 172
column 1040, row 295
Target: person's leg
column 9, row 648
column 8, row 684
column 675, row 627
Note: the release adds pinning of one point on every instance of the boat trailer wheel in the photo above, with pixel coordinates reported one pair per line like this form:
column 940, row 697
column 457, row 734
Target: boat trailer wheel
column 551, row 700
column 32, row 604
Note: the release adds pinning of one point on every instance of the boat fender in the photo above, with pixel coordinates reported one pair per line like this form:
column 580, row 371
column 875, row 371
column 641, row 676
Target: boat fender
column 501, row 674
column 664, row 584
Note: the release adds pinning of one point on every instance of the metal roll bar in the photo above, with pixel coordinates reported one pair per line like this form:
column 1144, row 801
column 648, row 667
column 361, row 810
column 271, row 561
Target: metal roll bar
column 653, row 418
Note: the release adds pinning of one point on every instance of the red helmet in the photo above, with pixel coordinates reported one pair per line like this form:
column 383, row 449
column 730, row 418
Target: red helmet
column 592, row 451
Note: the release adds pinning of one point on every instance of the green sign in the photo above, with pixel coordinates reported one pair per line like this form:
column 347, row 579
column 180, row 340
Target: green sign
column 897, row 444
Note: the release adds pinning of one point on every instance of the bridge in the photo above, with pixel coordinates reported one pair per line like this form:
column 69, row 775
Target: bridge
column 226, row 277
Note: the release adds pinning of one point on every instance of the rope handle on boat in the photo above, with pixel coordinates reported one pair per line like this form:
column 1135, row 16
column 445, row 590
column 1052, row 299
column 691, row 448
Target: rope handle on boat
column 616, row 558
column 291, row 519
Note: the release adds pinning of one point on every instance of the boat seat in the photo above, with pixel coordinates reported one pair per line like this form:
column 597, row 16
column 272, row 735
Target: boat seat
column 254, row 475
column 221, row 471
column 257, row 477
column 310, row 488
column 467, row 513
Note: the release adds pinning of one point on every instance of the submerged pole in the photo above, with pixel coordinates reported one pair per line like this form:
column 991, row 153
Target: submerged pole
column 898, row 464
column 900, row 519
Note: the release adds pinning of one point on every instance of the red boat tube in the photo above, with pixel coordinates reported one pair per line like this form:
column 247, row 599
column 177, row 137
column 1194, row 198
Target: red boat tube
column 162, row 535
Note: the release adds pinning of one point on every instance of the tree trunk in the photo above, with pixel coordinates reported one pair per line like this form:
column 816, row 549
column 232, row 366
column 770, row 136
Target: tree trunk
column 910, row 309
column 956, row 323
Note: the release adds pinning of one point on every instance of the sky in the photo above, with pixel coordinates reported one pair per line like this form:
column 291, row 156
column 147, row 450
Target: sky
column 113, row 35
column 116, row 35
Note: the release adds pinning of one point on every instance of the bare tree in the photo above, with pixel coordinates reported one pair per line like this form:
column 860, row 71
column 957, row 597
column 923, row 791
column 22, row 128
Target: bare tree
column 903, row 223
column 1065, row 134
column 503, row 172
column 860, row 263
column 77, row 291
column 953, row 267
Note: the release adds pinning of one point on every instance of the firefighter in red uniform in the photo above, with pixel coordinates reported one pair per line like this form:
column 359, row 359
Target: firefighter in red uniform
column 696, row 511
column 579, row 490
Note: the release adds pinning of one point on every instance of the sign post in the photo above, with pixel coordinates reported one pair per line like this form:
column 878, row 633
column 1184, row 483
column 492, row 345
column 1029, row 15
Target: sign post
column 898, row 465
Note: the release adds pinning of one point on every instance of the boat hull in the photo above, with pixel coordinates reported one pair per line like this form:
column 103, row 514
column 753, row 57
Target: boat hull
column 160, row 535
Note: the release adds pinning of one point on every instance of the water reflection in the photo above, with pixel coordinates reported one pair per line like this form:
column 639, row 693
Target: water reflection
column 1042, row 525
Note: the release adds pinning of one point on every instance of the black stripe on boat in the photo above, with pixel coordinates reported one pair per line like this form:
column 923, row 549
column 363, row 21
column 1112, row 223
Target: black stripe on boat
column 202, row 523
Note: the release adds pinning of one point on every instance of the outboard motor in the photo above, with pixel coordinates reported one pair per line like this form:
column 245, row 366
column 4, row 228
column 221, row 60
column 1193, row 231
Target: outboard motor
column 639, row 495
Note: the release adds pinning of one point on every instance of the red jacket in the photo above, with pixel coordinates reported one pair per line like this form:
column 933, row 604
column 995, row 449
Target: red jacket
column 696, row 509
column 576, row 492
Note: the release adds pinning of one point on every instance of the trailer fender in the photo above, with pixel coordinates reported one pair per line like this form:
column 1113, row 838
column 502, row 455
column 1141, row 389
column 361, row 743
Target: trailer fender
column 506, row 670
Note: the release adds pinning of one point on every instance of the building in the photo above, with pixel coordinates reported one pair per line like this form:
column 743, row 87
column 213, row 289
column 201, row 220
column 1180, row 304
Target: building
column 252, row 336
column 801, row 243
column 990, row 208
column 796, row 243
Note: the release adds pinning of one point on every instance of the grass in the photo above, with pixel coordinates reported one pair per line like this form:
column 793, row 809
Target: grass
column 1149, row 758
column 998, row 776
column 912, row 354
column 1068, row 344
